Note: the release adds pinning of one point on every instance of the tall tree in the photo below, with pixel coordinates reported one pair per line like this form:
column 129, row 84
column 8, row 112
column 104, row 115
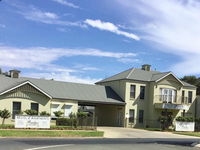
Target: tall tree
column 194, row 81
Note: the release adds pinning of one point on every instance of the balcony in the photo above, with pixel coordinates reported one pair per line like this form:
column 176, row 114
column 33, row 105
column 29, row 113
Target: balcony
column 171, row 102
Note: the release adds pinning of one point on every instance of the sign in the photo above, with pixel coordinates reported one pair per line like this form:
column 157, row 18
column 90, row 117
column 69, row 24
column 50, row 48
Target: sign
column 32, row 121
column 184, row 126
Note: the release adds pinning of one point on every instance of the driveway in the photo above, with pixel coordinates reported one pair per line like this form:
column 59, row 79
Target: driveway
column 118, row 132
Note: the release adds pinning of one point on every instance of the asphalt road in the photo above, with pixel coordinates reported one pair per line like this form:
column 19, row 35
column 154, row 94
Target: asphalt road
column 95, row 144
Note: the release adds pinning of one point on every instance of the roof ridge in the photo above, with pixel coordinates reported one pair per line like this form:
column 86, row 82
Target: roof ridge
column 130, row 73
column 113, row 75
column 161, row 73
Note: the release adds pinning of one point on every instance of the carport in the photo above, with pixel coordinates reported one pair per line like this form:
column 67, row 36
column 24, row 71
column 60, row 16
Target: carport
column 106, row 114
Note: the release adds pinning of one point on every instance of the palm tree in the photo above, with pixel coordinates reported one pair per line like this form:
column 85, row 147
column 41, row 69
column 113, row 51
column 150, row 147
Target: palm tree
column 4, row 114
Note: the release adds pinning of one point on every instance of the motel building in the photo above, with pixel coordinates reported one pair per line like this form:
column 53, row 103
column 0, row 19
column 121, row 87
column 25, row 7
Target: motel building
column 136, row 97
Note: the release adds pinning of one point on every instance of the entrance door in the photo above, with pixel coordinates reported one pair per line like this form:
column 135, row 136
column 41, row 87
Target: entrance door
column 120, row 117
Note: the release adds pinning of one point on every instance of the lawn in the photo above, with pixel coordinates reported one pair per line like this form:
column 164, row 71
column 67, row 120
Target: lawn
column 189, row 133
column 49, row 133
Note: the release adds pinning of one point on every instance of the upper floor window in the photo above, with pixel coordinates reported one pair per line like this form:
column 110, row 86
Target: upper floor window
column 142, row 92
column 189, row 96
column 132, row 91
column 168, row 95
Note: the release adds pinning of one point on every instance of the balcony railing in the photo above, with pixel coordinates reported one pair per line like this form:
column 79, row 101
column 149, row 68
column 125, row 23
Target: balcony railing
column 174, row 99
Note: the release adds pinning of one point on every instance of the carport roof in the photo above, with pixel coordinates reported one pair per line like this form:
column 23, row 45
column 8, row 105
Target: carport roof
column 66, row 90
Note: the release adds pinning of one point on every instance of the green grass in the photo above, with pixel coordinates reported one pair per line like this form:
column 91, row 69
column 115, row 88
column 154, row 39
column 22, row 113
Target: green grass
column 49, row 133
column 189, row 133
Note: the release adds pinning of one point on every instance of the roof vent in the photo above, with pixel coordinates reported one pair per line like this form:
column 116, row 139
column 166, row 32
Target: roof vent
column 146, row 67
column 14, row 73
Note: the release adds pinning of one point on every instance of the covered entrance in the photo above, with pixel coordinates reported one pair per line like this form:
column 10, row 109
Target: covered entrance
column 106, row 114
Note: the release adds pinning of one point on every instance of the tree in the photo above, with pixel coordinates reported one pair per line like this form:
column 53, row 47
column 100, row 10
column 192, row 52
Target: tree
column 194, row 81
column 4, row 114
column 58, row 114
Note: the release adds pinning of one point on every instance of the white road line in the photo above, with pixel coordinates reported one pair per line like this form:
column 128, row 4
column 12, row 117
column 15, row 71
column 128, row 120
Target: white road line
column 45, row 147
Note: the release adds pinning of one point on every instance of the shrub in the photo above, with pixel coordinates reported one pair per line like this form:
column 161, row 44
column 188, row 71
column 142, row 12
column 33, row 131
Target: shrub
column 31, row 112
column 64, row 122
column 44, row 113
column 82, row 115
column 185, row 119
column 4, row 114
column 58, row 114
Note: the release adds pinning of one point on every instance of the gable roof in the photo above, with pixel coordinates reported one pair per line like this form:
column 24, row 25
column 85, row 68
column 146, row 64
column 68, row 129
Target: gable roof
column 65, row 90
column 21, row 84
column 142, row 75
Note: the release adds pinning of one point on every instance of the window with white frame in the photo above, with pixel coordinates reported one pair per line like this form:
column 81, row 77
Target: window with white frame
column 68, row 110
column 54, row 108
column 167, row 95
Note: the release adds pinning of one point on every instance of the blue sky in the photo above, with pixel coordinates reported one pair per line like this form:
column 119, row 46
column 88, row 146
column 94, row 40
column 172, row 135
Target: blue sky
column 88, row 40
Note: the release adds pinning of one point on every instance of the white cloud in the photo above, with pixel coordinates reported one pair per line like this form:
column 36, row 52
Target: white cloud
column 29, row 58
column 174, row 24
column 42, row 60
column 63, row 76
column 66, row 3
column 110, row 27
column 2, row 25
column 34, row 14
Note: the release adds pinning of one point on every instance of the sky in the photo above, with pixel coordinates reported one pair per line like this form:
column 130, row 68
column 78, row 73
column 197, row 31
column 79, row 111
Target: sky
column 88, row 40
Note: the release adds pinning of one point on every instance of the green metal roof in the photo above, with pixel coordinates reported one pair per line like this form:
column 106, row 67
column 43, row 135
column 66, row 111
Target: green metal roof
column 66, row 90
column 140, row 75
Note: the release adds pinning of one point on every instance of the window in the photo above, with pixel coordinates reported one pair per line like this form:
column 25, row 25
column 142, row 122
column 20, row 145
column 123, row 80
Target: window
column 141, row 116
column 68, row 110
column 167, row 95
column 54, row 108
column 189, row 96
column 132, row 91
column 34, row 106
column 131, row 115
column 16, row 109
column 142, row 92
column 183, row 96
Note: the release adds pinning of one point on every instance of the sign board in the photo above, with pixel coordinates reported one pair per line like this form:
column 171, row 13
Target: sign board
column 22, row 121
column 184, row 126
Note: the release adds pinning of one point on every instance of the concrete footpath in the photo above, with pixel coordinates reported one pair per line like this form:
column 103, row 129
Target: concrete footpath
column 118, row 132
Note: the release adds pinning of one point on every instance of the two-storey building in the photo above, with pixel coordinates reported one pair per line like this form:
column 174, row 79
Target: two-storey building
column 151, row 94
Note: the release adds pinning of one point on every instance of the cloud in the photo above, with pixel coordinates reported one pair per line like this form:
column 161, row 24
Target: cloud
column 107, row 26
column 35, row 14
column 66, row 3
column 63, row 76
column 174, row 24
column 29, row 58
column 2, row 26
